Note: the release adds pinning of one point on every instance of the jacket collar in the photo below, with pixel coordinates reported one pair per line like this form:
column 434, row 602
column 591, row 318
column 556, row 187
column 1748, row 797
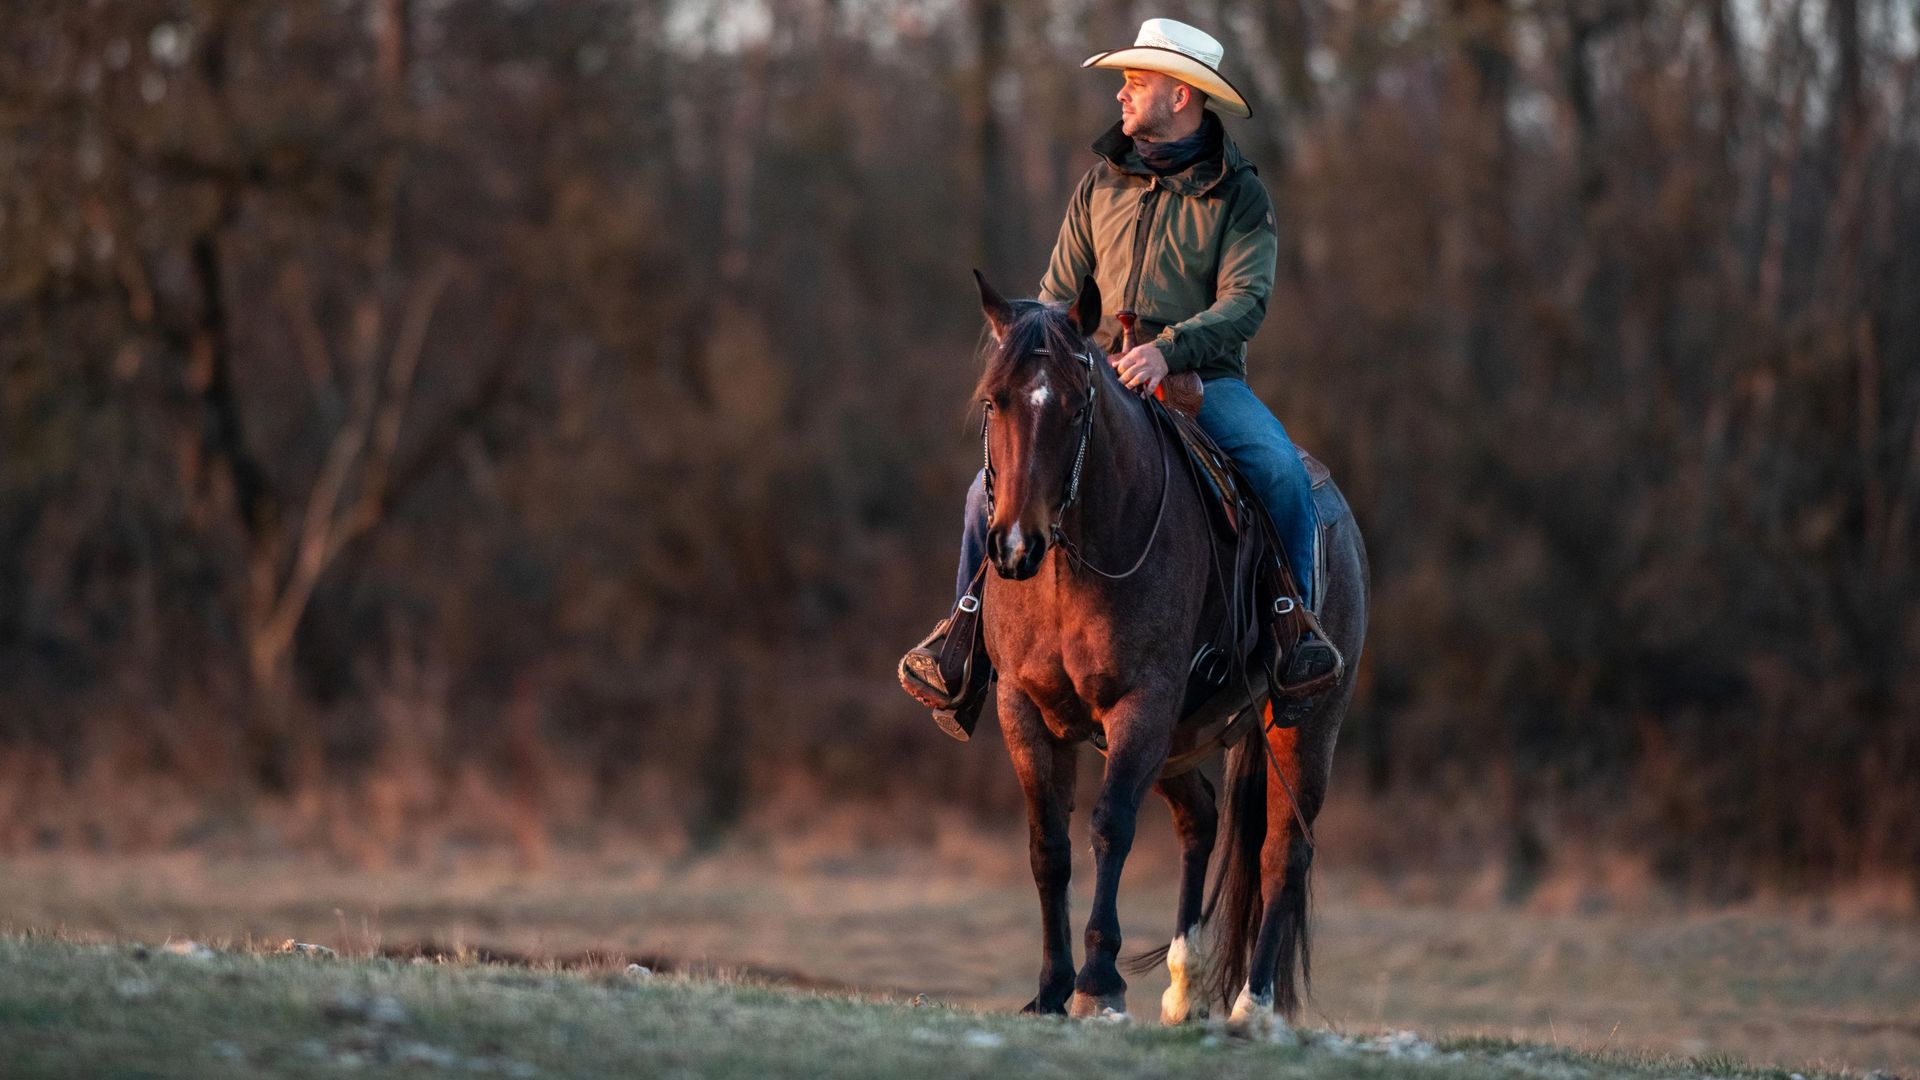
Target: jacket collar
column 1196, row 179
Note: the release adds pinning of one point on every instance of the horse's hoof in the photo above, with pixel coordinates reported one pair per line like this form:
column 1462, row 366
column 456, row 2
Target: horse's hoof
column 1085, row 1006
column 1253, row 1018
column 1183, row 999
column 1036, row 1008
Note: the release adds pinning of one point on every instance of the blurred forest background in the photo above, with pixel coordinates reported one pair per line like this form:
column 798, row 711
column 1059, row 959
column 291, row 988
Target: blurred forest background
column 489, row 420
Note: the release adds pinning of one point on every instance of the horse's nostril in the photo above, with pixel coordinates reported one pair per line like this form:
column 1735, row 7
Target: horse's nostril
column 1037, row 550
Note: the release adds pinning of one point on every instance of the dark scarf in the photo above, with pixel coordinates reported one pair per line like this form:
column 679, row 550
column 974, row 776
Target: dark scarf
column 1167, row 158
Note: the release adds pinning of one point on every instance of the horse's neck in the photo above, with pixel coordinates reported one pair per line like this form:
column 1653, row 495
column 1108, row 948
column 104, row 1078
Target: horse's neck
column 1121, row 479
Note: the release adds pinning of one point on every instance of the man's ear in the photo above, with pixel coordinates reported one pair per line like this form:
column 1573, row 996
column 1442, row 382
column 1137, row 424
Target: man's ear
column 999, row 313
column 1086, row 307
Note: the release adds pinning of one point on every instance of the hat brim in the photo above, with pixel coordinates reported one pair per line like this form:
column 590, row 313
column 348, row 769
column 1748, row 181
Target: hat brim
column 1179, row 65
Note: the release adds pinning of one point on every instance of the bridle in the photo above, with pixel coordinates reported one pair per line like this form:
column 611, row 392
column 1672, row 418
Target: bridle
column 1084, row 418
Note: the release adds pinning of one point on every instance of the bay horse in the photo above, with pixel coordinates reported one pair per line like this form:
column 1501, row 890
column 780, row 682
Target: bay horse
column 1103, row 589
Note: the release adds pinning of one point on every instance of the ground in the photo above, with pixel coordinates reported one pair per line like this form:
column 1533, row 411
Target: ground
column 955, row 925
column 70, row 1009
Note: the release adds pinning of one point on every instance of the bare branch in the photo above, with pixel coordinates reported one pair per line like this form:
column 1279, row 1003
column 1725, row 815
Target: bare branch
column 374, row 418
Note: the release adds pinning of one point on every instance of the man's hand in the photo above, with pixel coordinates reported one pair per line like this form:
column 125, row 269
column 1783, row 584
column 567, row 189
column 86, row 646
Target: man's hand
column 1141, row 368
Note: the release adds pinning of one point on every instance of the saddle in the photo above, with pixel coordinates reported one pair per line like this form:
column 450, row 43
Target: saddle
column 1182, row 395
column 1237, row 672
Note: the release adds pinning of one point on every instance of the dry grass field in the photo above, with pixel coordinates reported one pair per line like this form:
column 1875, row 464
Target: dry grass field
column 70, row 1009
column 956, row 922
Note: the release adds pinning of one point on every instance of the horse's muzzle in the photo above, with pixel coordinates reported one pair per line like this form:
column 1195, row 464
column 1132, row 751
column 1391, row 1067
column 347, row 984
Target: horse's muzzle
column 1016, row 552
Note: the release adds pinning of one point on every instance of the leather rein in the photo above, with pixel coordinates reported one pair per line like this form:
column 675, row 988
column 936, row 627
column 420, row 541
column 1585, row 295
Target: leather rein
column 1084, row 417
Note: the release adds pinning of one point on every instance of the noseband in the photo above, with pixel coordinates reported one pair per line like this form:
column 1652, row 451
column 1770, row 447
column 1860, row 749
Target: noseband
column 1084, row 417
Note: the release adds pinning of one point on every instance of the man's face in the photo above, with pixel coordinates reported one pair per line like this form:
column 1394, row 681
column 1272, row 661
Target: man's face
column 1147, row 103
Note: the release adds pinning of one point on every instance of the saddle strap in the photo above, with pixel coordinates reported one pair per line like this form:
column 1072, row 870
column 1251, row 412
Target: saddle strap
column 958, row 652
column 1231, row 730
column 1213, row 463
column 1238, row 727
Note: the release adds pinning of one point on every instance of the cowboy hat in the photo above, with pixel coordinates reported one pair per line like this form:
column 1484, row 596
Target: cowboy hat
column 1176, row 49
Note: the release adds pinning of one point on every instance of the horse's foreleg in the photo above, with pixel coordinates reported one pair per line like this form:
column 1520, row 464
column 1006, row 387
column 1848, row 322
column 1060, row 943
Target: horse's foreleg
column 1046, row 769
column 1136, row 748
column 1195, row 819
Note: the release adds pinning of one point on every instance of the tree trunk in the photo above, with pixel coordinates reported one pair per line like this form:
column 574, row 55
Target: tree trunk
column 1001, row 219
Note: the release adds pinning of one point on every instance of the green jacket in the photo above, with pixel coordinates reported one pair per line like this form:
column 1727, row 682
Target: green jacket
column 1191, row 253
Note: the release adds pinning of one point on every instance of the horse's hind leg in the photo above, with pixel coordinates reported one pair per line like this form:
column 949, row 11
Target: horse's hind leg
column 1046, row 770
column 1195, row 819
column 1136, row 749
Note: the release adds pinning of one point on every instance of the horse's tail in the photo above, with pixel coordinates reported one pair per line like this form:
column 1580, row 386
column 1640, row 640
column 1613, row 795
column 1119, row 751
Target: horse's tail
column 1233, row 908
column 1142, row 962
column 1237, row 904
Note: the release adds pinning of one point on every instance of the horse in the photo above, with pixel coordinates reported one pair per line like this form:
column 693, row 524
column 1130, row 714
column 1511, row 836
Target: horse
column 1104, row 587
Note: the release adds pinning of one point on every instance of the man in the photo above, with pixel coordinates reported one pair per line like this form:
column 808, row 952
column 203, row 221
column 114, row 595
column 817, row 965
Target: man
column 1174, row 224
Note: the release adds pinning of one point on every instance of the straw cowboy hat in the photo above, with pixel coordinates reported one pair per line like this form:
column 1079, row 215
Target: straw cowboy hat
column 1176, row 49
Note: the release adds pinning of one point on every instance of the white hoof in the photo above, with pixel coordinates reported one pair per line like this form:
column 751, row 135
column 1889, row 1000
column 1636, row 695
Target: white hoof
column 1253, row 1018
column 1186, row 997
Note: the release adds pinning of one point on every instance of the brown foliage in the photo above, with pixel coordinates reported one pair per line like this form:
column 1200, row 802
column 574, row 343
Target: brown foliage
column 600, row 351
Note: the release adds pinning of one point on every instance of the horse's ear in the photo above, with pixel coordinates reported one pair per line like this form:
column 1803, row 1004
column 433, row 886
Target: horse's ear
column 999, row 313
column 1086, row 307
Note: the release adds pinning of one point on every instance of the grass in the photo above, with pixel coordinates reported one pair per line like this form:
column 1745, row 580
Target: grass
column 72, row 1009
column 959, row 924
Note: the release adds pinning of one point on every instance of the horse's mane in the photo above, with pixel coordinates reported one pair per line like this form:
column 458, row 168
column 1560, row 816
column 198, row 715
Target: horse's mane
column 1038, row 334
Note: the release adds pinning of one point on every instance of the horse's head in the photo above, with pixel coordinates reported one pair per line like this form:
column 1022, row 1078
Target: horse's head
column 1038, row 395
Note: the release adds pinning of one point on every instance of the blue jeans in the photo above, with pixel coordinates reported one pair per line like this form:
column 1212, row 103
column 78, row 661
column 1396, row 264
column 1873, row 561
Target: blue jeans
column 1258, row 445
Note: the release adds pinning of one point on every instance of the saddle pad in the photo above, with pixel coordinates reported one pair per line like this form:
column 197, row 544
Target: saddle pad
column 1317, row 473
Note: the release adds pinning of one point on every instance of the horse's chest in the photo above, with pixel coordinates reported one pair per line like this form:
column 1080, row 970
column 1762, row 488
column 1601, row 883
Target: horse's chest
column 1072, row 678
column 1067, row 652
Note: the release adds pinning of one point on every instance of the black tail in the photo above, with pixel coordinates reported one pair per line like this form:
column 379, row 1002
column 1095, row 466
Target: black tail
column 1142, row 962
column 1237, row 903
column 1234, row 902
column 1296, row 946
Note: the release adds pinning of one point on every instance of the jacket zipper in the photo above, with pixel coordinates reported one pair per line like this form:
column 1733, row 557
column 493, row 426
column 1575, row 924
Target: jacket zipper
column 1142, row 226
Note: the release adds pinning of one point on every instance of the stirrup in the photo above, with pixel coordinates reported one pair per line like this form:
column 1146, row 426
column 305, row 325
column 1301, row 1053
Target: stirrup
column 959, row 721
column 919, row 670
column 927, row 680
column 1314, row 665
column 931, row 670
